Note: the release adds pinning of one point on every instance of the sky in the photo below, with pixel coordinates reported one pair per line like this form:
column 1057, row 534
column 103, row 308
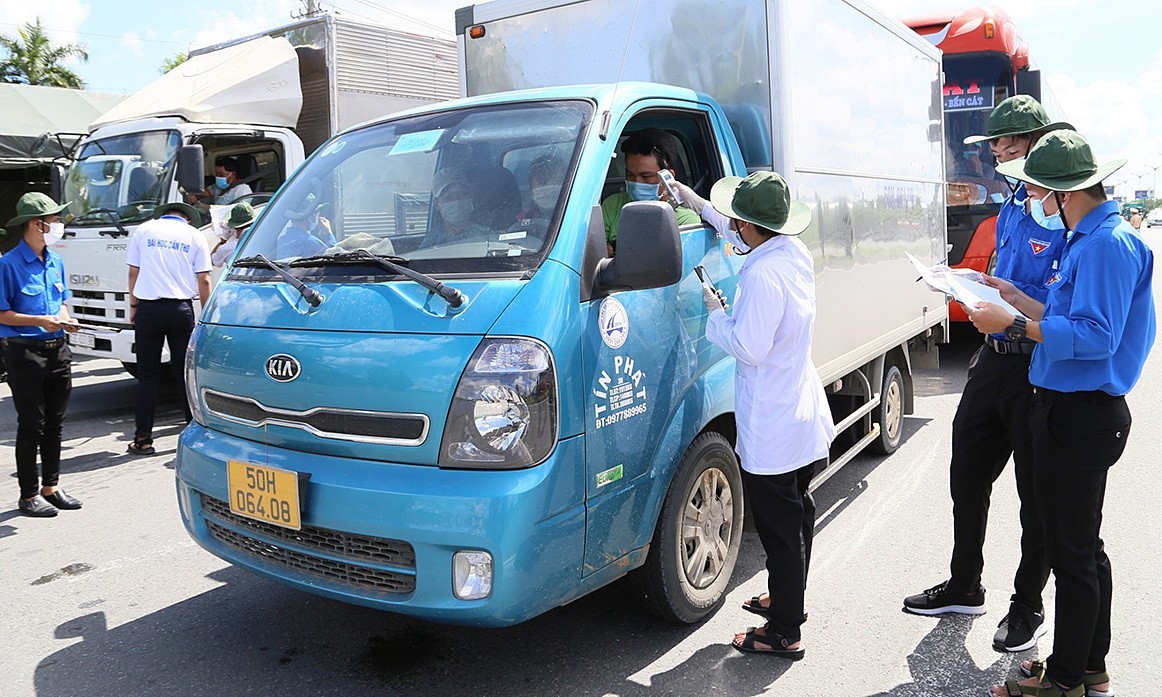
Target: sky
column 1101, row 59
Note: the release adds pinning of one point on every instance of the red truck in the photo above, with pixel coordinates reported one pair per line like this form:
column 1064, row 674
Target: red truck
column 985, row 61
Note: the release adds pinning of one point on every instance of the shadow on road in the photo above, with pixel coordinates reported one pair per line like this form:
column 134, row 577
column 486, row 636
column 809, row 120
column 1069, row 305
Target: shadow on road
column 253, row 636
column 940, row 664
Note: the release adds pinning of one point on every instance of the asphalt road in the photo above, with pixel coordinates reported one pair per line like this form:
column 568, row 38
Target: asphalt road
column 116, row 600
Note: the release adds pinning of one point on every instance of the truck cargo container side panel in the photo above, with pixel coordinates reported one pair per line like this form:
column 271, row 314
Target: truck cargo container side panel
column 717, row 47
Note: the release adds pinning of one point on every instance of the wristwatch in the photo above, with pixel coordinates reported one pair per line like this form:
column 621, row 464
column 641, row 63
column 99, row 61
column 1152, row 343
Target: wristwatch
column 1016, row 330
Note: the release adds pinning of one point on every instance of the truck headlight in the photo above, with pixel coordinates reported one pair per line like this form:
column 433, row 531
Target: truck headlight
column 192, row 378
column 504, row 412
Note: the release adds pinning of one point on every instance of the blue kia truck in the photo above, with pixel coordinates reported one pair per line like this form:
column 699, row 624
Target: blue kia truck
column 423, row 387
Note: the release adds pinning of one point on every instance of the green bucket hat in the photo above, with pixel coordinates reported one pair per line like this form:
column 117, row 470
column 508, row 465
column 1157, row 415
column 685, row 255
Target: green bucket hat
column 185, row 209
column 1060, row 161
column 1017, row 115
column 241, row 215
column 763, row 199
column 34, row 205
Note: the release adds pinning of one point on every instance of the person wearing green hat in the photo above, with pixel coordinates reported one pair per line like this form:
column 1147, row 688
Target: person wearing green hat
column 992, row 418
column 169, row 264
column 1093, row 333
column 784, row 422
column 241, row 217
column 33, row 322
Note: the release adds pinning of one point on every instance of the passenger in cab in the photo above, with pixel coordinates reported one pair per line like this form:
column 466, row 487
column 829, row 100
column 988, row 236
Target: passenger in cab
column 646, row 153
column 452, row 210
column 226, row 188
column 308, row 233
column 546, row 175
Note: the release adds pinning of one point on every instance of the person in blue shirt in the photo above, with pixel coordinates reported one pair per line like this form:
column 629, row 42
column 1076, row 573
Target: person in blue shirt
column 33, row 322
column 992, row 419
column 1093, row 332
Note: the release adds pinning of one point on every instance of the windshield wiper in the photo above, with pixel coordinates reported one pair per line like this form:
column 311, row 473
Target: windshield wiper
column 309, row 294
column 393, row 264
column 114, row 218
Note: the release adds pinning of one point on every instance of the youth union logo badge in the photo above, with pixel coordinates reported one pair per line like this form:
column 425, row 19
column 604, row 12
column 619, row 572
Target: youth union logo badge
column 1038, row 246
column 613, row 323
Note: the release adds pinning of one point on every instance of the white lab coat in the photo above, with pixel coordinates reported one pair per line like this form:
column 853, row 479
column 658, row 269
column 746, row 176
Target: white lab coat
column 783, row 418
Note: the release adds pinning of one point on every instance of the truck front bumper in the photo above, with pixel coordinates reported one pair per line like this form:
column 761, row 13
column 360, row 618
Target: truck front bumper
column 384, row 534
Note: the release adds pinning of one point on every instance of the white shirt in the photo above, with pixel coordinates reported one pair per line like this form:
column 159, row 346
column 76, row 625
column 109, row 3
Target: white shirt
column 169, row 254
column 219, row 256
column 232, row 194
column 784, row 421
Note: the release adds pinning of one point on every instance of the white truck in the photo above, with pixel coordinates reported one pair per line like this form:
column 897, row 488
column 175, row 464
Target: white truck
column 267, row 100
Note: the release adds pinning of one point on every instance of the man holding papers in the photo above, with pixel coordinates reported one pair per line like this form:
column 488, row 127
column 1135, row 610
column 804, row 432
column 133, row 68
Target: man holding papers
column 1094, row 331
column 992, row 420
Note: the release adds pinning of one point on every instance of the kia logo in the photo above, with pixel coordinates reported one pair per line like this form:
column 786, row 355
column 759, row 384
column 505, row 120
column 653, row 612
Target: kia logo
column 283, row 368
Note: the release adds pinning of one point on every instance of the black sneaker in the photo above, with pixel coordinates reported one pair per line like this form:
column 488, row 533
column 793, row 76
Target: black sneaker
column 37, row 507
column 1020, row 629
column 938, row 600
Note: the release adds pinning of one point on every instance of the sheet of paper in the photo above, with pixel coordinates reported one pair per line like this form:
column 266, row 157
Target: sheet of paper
column 970, row 293
column 928, row 277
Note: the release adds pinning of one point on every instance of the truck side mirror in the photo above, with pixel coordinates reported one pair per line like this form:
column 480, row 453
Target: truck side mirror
column 191, row 168
column 649, row 251
column 56, row 182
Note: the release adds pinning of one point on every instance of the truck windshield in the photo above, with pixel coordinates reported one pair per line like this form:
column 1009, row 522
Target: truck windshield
column 472, row 191
column 126, row 176
column 973, row 85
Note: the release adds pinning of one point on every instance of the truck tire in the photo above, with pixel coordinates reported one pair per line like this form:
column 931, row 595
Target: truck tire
column 890, row 413
column 697, row 537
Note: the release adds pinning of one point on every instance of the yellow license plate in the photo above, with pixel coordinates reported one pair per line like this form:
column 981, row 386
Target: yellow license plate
column 264, row 493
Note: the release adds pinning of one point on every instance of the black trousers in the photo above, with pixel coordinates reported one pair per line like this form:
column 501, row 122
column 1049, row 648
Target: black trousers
column 1077, row 437
column 40, row 377
column 158, row 321
column 784, row 516
column 992, row 424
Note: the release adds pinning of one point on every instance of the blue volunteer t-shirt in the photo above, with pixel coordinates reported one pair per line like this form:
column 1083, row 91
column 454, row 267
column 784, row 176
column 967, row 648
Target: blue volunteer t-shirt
column 1027, row 254
column 1098, row 325
column 31, row 286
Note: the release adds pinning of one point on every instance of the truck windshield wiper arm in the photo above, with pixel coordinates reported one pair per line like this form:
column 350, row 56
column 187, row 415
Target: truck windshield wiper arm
column 393, row 264
column 113, row 218
column 309, row 294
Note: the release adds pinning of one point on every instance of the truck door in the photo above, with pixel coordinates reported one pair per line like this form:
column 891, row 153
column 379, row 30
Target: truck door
column 640, row 350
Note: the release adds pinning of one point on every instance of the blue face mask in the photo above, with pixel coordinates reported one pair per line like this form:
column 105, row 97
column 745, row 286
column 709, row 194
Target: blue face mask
column 641, row 192
column 221, row 182
column 1013, row 181
column 1037, row 210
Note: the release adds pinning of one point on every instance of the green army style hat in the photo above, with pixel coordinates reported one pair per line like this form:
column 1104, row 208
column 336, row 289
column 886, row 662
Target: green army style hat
column 1060, row 161
column 241, row 216
column 763, row 199
column 1017, row 115
column 34, row 205
column 195, row 217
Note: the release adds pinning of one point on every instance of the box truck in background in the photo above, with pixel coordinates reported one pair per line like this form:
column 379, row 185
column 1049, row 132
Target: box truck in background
column 266, row 100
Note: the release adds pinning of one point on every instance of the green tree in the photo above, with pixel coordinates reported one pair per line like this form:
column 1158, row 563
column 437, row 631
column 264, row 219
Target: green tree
column 34, row 60
column 173, row 62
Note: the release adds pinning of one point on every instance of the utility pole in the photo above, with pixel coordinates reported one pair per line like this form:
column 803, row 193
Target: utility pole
column 310, row 9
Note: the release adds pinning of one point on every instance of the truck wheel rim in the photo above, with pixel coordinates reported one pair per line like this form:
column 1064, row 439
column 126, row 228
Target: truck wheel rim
column 893, row 409
column 707, row 527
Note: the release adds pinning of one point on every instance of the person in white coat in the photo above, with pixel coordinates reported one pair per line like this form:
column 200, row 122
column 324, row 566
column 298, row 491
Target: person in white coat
column 784, row 423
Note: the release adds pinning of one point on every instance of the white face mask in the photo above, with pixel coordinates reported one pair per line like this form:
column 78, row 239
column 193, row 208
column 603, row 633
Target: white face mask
column 55, row 232
column 546, row 196
column 457, row 212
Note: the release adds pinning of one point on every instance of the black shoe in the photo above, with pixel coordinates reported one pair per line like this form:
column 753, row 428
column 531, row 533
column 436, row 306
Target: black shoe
column 37, row 507
column 1020, row 629
column 62, row 501
column 938, row 600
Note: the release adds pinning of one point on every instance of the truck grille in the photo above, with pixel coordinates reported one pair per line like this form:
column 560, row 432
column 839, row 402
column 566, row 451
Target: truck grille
column 325, row 422
column 354, row 547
